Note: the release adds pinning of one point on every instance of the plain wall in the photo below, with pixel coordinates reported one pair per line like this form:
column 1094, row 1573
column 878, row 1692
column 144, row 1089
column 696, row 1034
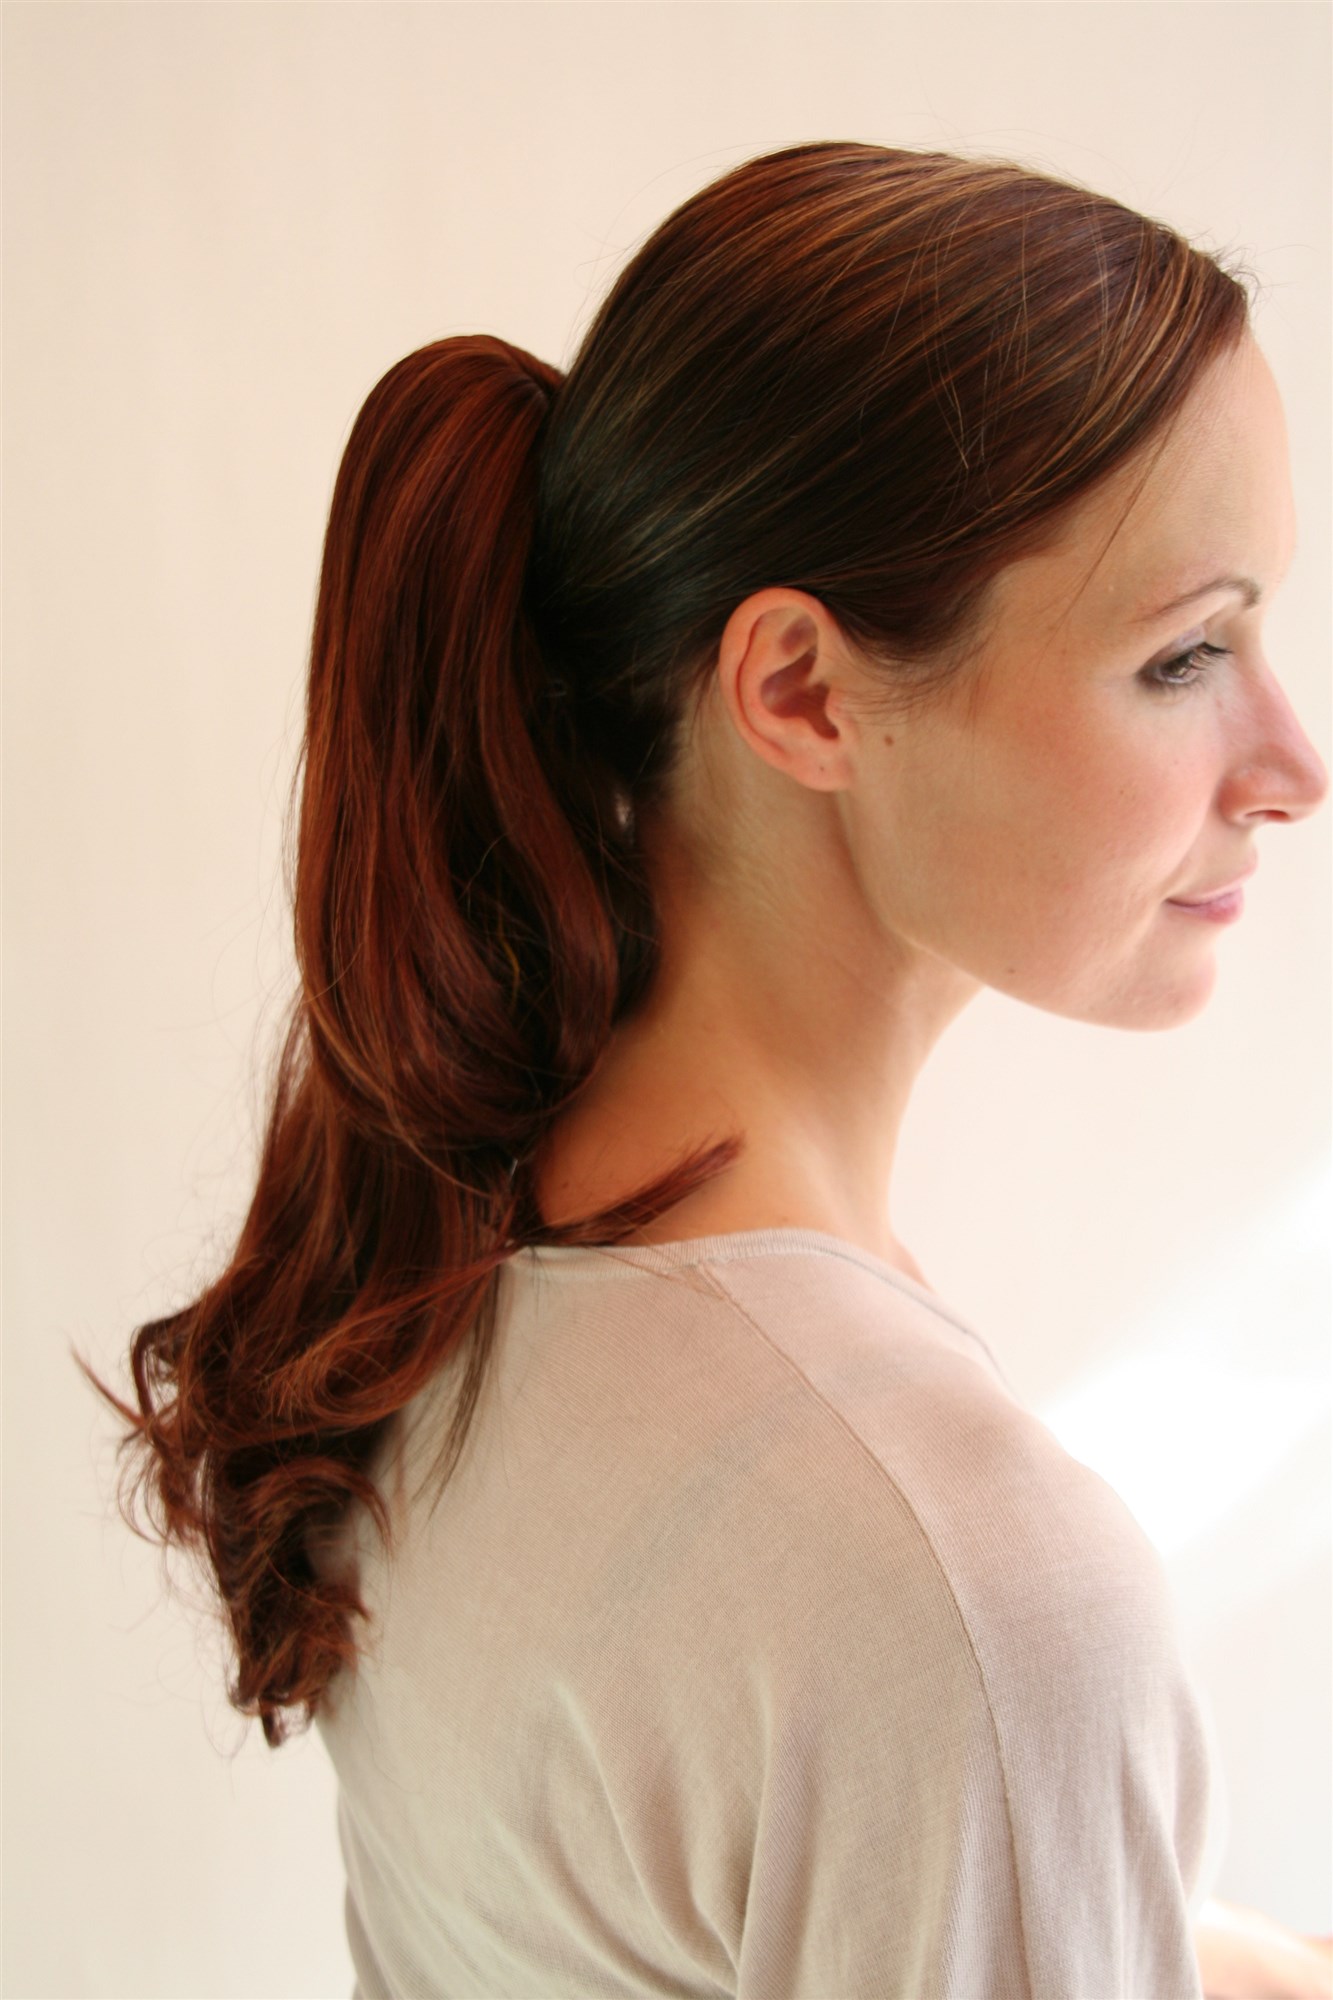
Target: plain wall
column 223, row 224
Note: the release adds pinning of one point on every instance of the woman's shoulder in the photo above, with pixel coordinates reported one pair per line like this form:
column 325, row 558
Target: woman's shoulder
column 814, row 1393
column 1036, row 1547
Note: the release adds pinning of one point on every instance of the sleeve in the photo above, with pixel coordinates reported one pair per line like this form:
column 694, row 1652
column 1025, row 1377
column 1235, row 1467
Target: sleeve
column 984, row 1772
column 888, row 1704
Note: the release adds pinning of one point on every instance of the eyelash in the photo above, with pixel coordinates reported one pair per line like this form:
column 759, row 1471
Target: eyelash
column 1196, row 658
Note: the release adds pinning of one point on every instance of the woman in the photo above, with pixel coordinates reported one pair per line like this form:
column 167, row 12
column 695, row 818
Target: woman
column 872, row 614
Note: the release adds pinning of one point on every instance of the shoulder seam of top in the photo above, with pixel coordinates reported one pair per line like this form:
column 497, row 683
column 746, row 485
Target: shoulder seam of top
column 883, row 1471
column 940, row 1310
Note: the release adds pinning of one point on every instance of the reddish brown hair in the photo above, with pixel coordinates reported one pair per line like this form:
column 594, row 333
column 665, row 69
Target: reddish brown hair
column 873, row 375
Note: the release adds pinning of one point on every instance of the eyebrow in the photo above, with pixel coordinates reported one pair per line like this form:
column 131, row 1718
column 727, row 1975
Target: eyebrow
column 1245, row 586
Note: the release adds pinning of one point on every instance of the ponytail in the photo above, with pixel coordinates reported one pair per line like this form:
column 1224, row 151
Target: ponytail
column 471, row 919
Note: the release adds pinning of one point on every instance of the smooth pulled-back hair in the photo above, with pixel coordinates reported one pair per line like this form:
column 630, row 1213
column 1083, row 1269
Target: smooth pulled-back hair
column 873, row 375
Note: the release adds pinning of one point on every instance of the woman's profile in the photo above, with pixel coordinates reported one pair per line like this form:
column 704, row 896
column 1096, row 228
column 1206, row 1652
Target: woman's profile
column 871, row 614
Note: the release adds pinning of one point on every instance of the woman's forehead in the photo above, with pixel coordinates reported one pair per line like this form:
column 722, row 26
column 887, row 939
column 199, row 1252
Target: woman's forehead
column 1208, row 500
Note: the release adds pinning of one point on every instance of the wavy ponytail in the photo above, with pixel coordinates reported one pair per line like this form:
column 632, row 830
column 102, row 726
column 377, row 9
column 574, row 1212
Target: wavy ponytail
column 874, row 375
column 470, row 920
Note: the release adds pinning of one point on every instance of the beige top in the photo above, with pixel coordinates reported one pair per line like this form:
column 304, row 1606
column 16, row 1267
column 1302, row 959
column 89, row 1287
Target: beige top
column 762, row 1644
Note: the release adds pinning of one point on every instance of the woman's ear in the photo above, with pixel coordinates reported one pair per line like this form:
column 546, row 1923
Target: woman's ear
column 781, row 676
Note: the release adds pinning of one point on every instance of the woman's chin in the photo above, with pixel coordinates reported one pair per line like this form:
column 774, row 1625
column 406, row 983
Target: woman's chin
column 1174, row 1001
column 1148, row 1001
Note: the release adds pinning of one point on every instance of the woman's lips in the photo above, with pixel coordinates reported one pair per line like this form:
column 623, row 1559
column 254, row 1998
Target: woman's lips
column 1222, row 909
column 1224, row 894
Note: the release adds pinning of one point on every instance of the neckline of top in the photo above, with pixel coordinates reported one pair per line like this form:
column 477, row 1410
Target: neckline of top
column 736, row 1243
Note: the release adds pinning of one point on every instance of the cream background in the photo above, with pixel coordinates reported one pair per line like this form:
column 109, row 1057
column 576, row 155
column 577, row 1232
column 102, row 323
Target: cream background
column 223, row 223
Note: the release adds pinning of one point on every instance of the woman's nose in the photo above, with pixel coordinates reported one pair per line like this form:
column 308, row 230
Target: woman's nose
column 1281, row 775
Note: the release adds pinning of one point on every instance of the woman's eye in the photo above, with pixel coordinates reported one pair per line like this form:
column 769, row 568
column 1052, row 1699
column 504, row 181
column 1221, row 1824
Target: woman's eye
column 1185, row 668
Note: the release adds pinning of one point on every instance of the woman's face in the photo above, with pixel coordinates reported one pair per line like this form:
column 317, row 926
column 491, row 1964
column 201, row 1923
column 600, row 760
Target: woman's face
column 1034, row 826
